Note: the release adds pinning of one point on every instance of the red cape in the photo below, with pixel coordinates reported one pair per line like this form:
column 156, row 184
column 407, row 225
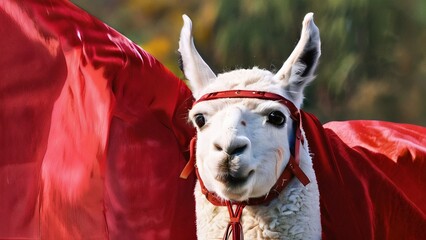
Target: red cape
column 93, row 131
column 371, row 177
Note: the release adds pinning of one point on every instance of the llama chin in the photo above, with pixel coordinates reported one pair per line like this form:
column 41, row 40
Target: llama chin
column 246, row 124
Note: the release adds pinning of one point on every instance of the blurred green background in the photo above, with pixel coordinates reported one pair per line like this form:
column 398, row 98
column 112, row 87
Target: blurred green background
column 373, row 63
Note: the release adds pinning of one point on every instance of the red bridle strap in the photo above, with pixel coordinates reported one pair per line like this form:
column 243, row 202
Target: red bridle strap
column 234, row 225
column 189, row 167
column 294, row 113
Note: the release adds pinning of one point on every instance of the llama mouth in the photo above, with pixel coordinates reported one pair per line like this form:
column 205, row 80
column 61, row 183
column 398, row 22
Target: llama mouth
column 230, row 180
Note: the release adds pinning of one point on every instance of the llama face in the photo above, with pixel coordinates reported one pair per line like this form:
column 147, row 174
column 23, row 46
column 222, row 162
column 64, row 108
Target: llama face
column 243, row 145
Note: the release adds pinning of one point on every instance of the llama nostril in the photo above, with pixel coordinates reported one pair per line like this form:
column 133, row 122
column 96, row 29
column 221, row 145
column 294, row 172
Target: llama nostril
column 236, row 150
column 236, row 147
column 217, row 147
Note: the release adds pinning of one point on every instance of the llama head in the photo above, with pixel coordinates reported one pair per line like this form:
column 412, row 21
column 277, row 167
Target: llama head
column 243, row 144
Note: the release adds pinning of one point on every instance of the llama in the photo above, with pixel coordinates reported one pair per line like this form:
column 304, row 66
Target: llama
column 249, row 144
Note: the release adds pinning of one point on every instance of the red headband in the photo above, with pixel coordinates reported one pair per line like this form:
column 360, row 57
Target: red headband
column 294, row 111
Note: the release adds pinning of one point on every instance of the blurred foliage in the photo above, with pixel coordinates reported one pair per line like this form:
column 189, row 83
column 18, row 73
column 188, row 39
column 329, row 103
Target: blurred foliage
column 373, row 63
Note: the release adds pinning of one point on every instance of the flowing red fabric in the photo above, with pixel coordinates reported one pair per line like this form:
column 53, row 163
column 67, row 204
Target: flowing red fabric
column 93, row 135
column 371, row 177
column 93, row 131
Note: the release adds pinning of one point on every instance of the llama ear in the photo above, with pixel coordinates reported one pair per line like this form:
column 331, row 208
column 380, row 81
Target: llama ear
column 193, row 66
column 298, row 70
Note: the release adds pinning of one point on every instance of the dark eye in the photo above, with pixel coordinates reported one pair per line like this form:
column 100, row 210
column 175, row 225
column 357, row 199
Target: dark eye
column 199, row 119
column 276, row 118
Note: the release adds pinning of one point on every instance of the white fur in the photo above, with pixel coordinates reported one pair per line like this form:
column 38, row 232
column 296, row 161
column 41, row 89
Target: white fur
column 295, row 213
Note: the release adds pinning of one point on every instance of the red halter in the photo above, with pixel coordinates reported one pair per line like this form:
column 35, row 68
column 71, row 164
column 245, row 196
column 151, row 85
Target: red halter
column 292, row 168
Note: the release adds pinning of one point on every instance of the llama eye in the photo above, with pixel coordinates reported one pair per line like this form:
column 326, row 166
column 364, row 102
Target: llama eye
column 276, row 118
column 199, row 119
